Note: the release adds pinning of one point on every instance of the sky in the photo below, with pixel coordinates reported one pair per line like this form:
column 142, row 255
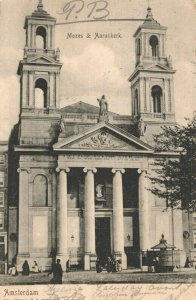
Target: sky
column 92, row 67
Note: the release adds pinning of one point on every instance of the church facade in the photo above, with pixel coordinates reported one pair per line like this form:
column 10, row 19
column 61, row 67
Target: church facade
column 79, row 185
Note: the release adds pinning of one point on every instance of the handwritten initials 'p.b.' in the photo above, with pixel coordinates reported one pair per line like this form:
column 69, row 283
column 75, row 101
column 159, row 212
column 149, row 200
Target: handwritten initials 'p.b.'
column 96, row 10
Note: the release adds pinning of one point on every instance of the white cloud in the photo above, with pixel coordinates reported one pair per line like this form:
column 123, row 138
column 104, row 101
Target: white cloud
column 9, row 59
column 9, row 89
column 91, row 74
column 9, row 95
column 185, row 94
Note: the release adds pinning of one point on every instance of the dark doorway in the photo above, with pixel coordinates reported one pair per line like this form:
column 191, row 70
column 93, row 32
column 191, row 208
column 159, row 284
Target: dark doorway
column 102, row 233
column 2, row 258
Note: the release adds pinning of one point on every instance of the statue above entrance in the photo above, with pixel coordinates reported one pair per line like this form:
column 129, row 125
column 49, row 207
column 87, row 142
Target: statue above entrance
column 99, row 191
column 103, row 111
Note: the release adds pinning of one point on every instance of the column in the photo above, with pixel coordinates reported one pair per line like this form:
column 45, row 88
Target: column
column 171, row 85
column 53, row 38
column 141, row 95
column 57, row 88
column 31, row 90
column 144, row 229
column 118, row 221
column 164, row 96
column 62, row 217
column 89, row 219
column 51, row 90
column 23, row 216
column 148, row 97
column 24, row 89
column 29, row 36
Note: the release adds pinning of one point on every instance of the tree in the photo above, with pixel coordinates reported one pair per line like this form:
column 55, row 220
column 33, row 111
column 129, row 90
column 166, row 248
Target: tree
column 174, row 177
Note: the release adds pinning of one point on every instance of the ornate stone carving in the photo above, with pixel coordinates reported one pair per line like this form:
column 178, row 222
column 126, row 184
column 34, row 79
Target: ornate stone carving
column 28, row 170
column 85, row 170
column 122, row 171
column 101, row 140
column 66, row 170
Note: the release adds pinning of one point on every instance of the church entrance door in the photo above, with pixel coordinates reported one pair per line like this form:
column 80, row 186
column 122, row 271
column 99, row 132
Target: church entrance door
column 102, row 238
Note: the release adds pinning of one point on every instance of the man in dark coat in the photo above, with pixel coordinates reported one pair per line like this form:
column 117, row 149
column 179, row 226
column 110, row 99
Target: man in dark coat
column 25, row 268
column 57, row 273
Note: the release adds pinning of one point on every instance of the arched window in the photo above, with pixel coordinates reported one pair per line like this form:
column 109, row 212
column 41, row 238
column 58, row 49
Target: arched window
column 136, row 103
column 41, row 93
column 138, row 47
column 41, row 38
column 40, row 191
column 157, row 96
column 154, row 43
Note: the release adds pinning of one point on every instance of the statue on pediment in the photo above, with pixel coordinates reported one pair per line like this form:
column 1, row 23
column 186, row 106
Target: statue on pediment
column 103, row 104
column 61, row 125
column 141, row 127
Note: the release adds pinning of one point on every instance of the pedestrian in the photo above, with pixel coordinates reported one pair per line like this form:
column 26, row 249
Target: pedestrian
column 14, row 270
column 68, row 266
column 52, row 269
column 187, row 263
column 25, row 268
column 36, row 268
column 58, row 273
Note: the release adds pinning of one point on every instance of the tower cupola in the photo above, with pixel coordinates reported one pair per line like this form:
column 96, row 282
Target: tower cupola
column 152, row 80
column 39, row 72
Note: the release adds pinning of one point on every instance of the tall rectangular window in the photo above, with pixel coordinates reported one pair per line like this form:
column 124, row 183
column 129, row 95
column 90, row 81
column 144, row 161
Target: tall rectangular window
column 194, row 238
column 194, row 218
column 2, row 159
column 1, row 199
column 1, row 179
column 1, row 220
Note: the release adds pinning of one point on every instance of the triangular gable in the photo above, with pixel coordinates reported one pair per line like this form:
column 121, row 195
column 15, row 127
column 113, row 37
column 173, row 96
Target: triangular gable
column 42, row 59
column 83, row 108
column 158, row 67
column 103, row 137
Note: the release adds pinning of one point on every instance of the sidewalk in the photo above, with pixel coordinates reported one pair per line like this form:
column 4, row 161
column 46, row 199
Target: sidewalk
column 91, row 277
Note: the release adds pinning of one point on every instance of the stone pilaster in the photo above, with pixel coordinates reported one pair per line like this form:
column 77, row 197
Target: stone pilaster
column 144, row 229
column 52, row 89
column 118, row 224
column 23, row 218
column 31, row 90
column 57, row 99
column 24, row 89
column 89, row 219
column 62, row 216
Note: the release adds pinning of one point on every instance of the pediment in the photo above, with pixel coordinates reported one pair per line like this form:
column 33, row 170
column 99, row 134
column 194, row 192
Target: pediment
column 42, row 60
column 158, row 67
column 104, row 137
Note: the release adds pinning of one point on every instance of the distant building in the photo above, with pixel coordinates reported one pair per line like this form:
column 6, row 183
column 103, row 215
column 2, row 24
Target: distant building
column 3, row 205
column 78, row 174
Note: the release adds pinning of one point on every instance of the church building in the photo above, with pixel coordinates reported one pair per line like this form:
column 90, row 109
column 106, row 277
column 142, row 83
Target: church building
column 78, row 186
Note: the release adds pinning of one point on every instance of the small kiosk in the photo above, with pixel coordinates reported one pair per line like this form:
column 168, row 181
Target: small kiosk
column 162, row 257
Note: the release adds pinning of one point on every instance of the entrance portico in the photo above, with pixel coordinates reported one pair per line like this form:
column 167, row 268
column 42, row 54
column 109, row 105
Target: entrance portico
column 97, row 176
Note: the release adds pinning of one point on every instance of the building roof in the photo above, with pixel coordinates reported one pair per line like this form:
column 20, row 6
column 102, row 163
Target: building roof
column 150, row 23
column 82, row 108
column 40, row 12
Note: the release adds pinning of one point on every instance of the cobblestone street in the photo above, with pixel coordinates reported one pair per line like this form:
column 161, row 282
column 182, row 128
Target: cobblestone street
column 91, row 277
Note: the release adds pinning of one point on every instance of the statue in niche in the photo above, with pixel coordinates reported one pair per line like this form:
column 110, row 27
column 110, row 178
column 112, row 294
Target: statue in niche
column 99, row 191
column 103, row 104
